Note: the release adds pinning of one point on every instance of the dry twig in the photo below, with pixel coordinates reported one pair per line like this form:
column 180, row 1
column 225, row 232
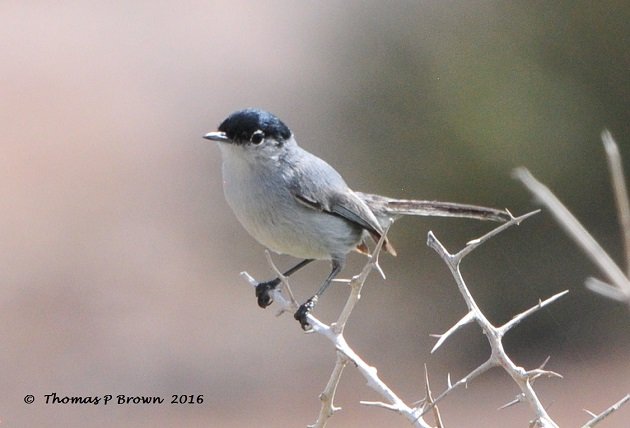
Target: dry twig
column 620, row 288
column 598, row 418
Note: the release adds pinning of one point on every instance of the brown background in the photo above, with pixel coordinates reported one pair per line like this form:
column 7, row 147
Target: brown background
column 120, row 257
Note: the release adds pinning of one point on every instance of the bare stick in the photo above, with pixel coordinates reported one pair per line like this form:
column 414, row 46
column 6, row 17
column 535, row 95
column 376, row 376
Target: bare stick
column 463, row 381
column 430, row 402
column 520, row 317
column 575, row 230
column 620, row 191
column 327, row 397
column 605, row 289
column 598, row 418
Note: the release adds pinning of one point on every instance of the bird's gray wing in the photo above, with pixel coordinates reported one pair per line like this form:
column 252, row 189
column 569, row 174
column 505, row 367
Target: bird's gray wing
column 347, row 206
column 316, row 185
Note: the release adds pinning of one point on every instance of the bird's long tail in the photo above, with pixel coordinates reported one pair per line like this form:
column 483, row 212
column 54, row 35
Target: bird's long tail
column 384, row 208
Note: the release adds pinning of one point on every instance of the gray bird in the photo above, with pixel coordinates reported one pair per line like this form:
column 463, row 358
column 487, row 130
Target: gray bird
column 294, row 203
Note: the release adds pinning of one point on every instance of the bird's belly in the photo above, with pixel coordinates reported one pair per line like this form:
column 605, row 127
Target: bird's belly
column 285, row 226
column 309, row 234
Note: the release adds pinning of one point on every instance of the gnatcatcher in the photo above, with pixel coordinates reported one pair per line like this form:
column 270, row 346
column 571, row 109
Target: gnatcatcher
column 294, row 203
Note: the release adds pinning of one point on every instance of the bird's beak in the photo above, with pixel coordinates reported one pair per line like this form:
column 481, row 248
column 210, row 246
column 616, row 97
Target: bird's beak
column 217, row 136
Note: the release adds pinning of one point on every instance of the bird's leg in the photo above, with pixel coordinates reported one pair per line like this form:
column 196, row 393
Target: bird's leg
column 307, row 306
column 263, row 288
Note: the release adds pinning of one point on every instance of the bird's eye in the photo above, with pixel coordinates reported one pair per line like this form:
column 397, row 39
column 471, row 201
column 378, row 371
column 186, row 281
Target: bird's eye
column 257, row 137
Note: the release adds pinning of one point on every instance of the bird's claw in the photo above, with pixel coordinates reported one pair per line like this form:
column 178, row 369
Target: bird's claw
column 263, row 290
column 302, row 313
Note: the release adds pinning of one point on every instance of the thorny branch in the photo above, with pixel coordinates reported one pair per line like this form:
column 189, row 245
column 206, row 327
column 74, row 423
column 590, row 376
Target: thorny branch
column 414, row 414
column 523, row 378
column 345, row 354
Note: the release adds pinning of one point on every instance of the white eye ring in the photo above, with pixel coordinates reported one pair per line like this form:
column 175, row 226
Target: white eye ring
column 257, row 137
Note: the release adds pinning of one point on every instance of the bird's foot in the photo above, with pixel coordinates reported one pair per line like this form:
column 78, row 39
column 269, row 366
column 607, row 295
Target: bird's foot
column 263, row 290
column 302, row 313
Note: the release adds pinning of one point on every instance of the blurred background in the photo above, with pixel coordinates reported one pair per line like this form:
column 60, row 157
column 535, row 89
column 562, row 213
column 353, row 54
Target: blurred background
column 121, row 259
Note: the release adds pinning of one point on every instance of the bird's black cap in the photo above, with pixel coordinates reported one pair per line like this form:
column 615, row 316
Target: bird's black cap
column 240, row 125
